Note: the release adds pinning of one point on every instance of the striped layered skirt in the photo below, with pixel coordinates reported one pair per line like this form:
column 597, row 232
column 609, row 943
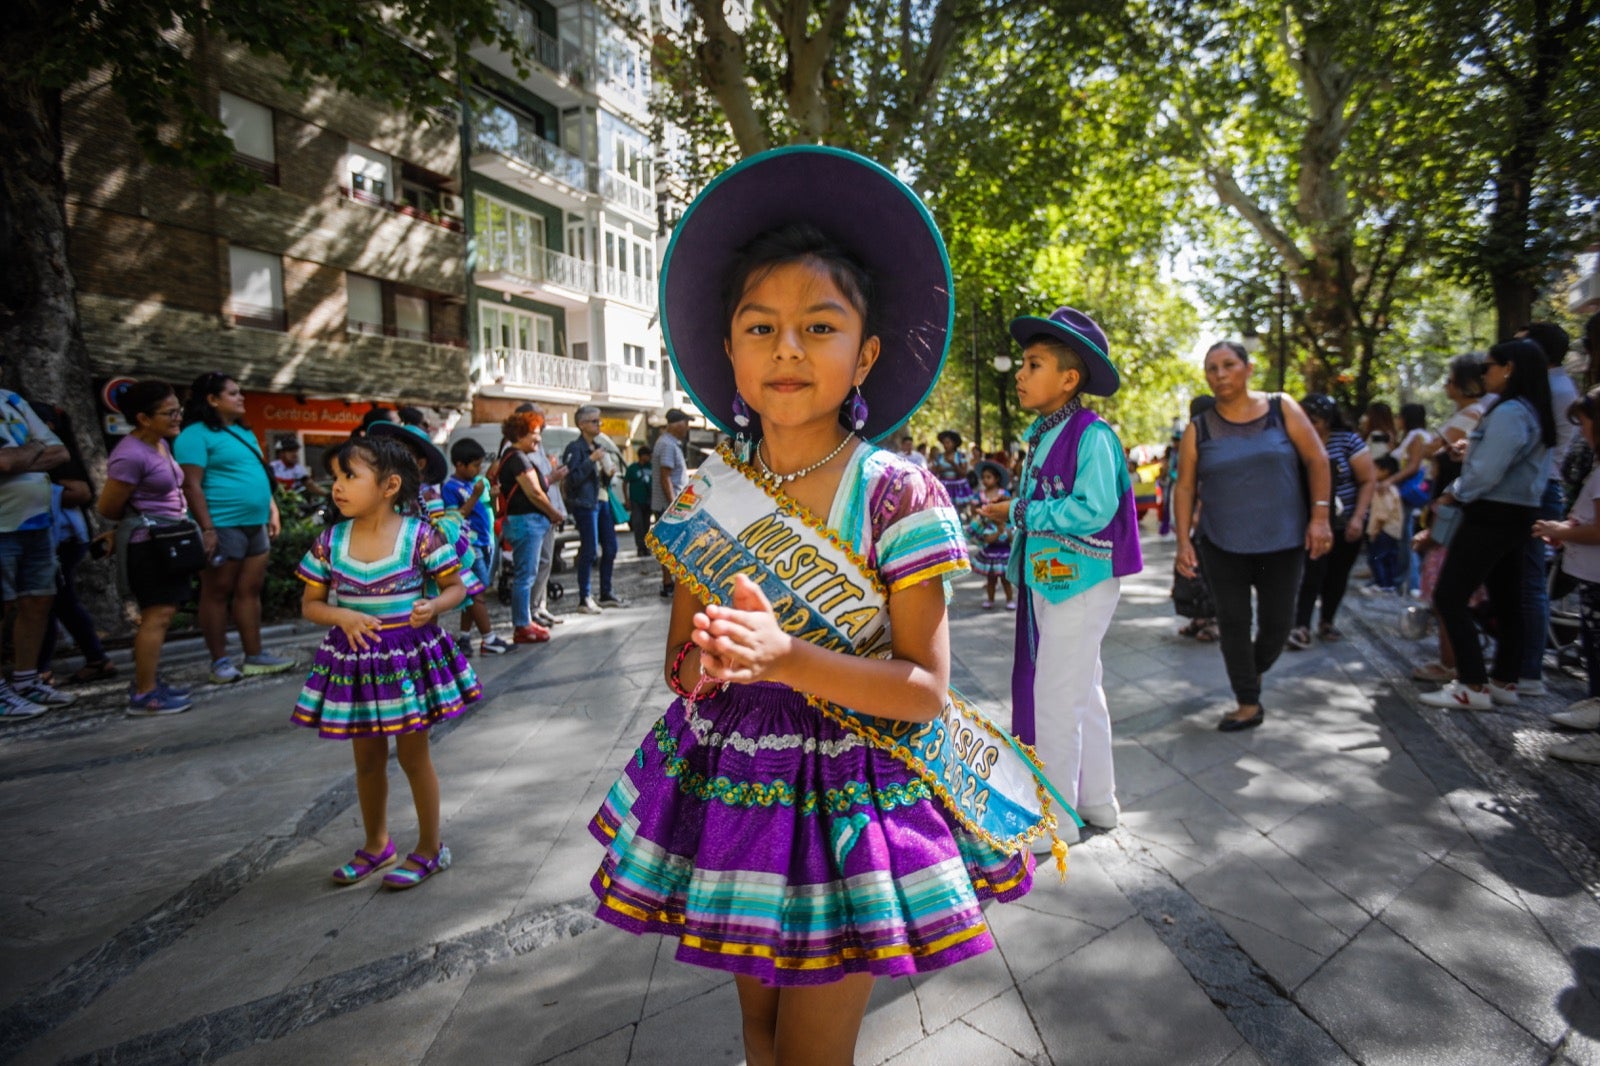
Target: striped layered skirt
column 775, row 844
column 406, row 679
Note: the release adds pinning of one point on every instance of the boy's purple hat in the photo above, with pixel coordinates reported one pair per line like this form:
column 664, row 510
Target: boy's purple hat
column 1080, row 333
column 855, row 203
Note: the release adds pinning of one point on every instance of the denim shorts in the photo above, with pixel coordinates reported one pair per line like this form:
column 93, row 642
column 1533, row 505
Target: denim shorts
column 27, row 564
column 242, row 542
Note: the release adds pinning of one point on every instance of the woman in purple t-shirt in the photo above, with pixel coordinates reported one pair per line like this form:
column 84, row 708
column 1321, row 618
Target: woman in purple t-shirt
column 143, row 477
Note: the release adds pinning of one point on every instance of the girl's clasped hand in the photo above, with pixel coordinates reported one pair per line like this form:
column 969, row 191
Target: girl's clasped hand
column 742, row 643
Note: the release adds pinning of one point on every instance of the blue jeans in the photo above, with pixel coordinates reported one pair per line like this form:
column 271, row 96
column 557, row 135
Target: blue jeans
column 1383, row 558
column 1535, row 586
column 526, row 533
column 1589, row 633
column 595, row 527
column 1406, row 571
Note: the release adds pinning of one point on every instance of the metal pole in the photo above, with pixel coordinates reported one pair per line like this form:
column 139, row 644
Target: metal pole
column 977, row 389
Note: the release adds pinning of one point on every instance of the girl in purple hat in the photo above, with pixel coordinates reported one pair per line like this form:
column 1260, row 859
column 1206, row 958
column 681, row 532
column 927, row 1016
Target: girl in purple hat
column 816, row 809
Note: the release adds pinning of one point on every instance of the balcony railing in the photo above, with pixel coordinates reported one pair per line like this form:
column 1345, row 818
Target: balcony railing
column 629, row 287
column 612, row 378
column 547, row 267
column 546, row 370
column 636, row 198
column 543, row 370
column 535, row 152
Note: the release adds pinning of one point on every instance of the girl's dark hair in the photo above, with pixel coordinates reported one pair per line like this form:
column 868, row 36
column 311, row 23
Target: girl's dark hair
column 1529, row 380
column 142, row 398
column 385, row 457
column 1587, row 405
column 412, row 416
column 949, row 434
column 1387, row 463
column 799, row 242
column 1413, row 416
column 197, row 409
column 1465, row 372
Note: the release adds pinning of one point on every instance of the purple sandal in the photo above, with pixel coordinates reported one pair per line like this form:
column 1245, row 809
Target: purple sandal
column 404, row 878
column 365, row 864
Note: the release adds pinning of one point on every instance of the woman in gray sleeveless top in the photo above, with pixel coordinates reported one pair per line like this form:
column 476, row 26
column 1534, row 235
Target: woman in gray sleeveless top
column 1258, row 471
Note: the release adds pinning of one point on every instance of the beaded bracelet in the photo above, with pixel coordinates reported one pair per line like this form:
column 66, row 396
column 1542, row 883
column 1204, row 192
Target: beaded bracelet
column 677, row 665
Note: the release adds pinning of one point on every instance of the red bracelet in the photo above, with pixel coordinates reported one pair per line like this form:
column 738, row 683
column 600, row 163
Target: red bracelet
column 677, row 665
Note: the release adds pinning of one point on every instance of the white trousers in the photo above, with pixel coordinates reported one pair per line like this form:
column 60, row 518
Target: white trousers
column 1071, row 719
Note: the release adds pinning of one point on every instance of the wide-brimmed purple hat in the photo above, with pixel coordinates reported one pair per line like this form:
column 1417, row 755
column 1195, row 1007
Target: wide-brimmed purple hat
column 855, row 203
column 1080, row 333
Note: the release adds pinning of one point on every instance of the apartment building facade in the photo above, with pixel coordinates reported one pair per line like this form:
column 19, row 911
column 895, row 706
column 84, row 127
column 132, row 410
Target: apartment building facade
column 562, row 211
column 340, row 282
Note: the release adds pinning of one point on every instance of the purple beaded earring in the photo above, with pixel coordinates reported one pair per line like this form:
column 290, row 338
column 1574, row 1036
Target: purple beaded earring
column 741, row 417
column 857, row 415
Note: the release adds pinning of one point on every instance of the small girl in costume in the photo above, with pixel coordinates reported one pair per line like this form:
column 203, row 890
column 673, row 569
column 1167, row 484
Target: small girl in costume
column 817, row 809
column 950, row 466
column 385, row 666
column 991, row 541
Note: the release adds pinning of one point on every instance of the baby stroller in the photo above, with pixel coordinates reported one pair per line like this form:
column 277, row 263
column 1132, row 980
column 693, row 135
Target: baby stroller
column 553, row 589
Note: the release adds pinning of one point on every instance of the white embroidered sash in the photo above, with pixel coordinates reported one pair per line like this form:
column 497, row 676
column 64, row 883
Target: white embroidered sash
column 726, row 522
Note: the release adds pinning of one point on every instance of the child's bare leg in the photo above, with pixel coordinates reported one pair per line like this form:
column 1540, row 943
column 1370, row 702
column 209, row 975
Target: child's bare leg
column 415, row 760
column 372, row 789
column 818, row 1025
column 479, row 612
column 758, row 1010
column 989, row 583
column 1011, row 593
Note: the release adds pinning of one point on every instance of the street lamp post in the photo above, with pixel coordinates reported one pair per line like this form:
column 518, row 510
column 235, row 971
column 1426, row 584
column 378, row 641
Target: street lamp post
column 977, row 387
column 1002, row 363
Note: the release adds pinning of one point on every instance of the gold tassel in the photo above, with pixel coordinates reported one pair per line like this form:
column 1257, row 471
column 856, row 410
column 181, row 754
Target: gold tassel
column 1058, row 848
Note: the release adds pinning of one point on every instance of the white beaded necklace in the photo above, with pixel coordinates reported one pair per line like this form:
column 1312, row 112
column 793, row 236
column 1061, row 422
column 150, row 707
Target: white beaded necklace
column 782, row 479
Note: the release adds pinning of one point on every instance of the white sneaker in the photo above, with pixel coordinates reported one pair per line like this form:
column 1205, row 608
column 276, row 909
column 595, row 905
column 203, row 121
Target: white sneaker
column 589, row 606
column 1585, row 714
column 1531, row 686
column 14, row 707
column 494, row 644
column 1584, row 750
column 1458, row 697
column 1101, row 815
column 43, row 694
column 1505, row 695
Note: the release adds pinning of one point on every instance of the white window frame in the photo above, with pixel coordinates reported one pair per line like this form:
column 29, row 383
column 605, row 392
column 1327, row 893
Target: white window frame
column 353, row 284
column 499, row 248
column 254, row 275
column 495, row 318
column 369, row 174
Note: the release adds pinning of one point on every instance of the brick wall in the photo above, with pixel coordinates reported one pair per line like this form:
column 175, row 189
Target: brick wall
column 147, row 339
column 150, row 247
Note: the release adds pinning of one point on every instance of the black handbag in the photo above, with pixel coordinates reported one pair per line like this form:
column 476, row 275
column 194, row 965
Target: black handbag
column 176, row 545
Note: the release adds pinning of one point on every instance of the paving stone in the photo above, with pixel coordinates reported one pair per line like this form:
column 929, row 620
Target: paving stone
column 610, row 1050
column 1359, row 858
column 1287, row 962
column 701, row 1031
column 1139, row 773
column 1244, row 1056
column 1082, row 1003
column 1193, row 744
column 673, row 982
column 1242, row 889
column 1183, row 816
column 1506, row 958
column 958, row 1045
column 893, row 1022
column 1005, row 1018
column 1256, row 791
column 945, row 995
column 1087, row 895
column 1028, row 943
column 550, row 1001
column 1410, row 1010
column 396, row 1032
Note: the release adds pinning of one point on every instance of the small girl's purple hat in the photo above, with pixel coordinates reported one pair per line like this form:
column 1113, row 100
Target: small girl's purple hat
column 1080, row 333
column 857, row 204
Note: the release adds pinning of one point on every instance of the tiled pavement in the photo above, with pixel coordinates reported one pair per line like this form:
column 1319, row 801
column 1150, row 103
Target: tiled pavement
column 1359, row 880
